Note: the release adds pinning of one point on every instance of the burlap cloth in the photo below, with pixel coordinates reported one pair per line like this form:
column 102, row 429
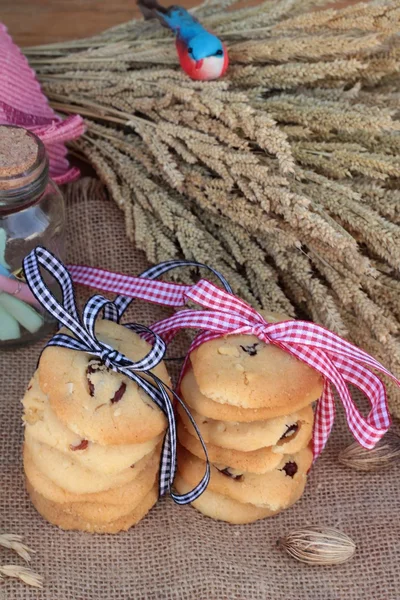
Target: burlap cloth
column 176, row 552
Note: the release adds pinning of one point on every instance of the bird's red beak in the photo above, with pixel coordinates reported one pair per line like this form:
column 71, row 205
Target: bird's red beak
column 199, row 64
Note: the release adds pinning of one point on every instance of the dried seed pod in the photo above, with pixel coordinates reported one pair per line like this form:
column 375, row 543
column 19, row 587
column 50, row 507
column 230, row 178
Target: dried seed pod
column 319, row 545
column 385, row 453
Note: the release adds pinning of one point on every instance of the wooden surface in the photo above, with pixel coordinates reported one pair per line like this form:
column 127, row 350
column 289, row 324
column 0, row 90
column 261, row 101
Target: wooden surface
column 32, row 22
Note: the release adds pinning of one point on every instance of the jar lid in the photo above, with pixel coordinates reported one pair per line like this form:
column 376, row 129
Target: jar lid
column 23, row 167
column 18, row 151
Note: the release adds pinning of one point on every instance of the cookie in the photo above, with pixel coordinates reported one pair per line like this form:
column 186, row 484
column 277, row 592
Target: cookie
column 242, row 371
column 105, row 512
column 146, row 472
column 66, row 472
column 286, row 434
column 99, row 513
column 256, row 461
column 96, row 403
column 55, row 514
column 222, row 508
column 42, row 425
column 197, row 401
column 274, row 490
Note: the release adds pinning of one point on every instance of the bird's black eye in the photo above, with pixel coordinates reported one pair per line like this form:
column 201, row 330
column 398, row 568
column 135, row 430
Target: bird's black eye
column 219, row 53
column 190, row 50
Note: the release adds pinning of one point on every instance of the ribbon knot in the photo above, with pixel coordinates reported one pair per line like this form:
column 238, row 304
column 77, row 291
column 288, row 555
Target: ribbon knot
column 112, row 358
column 261, row 332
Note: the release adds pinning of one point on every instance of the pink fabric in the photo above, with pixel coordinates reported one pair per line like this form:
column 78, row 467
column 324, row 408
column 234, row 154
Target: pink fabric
column 222, row 314
column 23, row 103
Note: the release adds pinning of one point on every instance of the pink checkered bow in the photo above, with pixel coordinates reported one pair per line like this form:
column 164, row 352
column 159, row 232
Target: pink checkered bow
column 224, row 314
column 336, row 359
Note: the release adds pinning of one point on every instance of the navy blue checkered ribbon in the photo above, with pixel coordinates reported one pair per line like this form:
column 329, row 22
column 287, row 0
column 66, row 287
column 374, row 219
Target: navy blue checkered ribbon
column 85, row 340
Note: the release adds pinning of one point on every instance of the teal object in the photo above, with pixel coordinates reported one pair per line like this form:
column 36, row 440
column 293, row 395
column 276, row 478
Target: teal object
column 9, row 328
column 22, row 312
column 4, row 267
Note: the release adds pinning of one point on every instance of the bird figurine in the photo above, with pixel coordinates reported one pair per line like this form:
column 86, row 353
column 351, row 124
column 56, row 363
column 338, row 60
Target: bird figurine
column 201, row 54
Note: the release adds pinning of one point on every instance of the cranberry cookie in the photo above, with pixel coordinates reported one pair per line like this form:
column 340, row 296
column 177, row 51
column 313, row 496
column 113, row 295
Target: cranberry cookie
column 284, row 434
column 42, row 425
column 145, row 471
column 255, row 461
column 197, row 401
column 96, row 403
column 68, row 519
column 93, row 438
column 221, row 508
column 274, row 490
column 242, row 371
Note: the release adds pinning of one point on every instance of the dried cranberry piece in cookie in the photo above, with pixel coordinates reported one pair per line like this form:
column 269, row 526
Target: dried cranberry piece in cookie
column 290, row 468
column 95, row 364
column 119, row 393
column 228, row 473
column 250, row 350
column 290, row 431
column 81, row 446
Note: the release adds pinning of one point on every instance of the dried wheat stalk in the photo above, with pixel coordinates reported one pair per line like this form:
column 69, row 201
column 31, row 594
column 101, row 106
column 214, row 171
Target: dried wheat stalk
column 14, row 542
column 23, row 574
column 284, row 175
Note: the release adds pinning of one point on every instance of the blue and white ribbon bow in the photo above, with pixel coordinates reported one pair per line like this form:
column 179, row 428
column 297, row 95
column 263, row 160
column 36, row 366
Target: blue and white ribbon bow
column 85, row 340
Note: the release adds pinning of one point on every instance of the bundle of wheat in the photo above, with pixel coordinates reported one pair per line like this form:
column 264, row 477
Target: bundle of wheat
column 284, row 175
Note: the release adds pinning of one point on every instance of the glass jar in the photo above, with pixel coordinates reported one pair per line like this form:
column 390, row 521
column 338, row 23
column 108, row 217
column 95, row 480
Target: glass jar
column 32, row 213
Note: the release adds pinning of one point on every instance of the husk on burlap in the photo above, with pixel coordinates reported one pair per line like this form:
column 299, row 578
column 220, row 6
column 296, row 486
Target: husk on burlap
column 176, row 553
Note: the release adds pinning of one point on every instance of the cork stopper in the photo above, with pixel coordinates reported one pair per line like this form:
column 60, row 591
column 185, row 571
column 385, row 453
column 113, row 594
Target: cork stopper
column 18, row 151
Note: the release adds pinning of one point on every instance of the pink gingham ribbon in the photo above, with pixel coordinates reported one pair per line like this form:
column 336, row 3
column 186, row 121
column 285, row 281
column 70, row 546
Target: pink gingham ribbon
column 336, row 359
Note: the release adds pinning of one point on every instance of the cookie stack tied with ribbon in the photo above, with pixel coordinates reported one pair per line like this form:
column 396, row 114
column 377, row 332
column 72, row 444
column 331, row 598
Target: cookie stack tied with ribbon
column 249, row 380
column 92, row 437
column 100, row 435
column 252, row 404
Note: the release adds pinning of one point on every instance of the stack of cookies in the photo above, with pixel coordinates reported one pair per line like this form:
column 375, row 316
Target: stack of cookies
column 252, row 404
column 92, row 438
